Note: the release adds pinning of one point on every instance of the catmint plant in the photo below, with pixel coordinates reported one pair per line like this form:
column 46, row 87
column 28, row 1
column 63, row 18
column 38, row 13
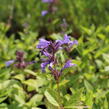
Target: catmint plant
column 49, row 50
column 19, row 62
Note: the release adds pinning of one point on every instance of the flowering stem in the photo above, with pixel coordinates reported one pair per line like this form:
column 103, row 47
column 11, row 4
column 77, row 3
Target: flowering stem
column 59, row 96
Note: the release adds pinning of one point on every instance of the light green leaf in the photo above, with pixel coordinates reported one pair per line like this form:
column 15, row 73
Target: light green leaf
column 62, row 83
column 36, row 98
column 51, row 99
column 88, row 85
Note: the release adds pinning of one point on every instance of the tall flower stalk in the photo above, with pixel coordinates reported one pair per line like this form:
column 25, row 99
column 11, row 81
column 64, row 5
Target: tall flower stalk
column 49, row 50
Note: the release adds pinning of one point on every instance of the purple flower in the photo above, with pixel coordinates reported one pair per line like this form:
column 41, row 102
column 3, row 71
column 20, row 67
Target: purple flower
column 43, row 65
column 48, row 48
column 44, row 12
column 8, row 63
column 51, row 66
column 43, row 44
column 67, row 65
column 47, row 1
column 49, row 61
column 67, row 41
column 57, row 73
column 75, row 42
column 46, row 54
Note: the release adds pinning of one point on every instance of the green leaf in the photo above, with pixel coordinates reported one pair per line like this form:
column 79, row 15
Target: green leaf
column 76, row 107
column 101, row 51
column 106, row 68
column 106, row 57
column 88, row 85
column 89, row 99
column 35, row 108
column 2, row 99
column 106, row 106
column 30, row 72
column 19, row 77
column 62, row 83
column 102, row 36
column 19, row 99
column 35, row 99
column 51, row 99
column 3, row 106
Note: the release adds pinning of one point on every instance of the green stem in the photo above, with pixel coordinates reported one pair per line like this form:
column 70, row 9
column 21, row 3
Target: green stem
column 59, row 96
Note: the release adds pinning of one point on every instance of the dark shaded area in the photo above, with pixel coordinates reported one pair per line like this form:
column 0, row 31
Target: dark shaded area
column 15, row 28
column 7, row 101
column 42, row 106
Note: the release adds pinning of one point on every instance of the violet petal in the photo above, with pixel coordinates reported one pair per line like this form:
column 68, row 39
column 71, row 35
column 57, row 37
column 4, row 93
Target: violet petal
column 8, row 63
column 44, row 12
column 47, row 1
column 67, row 65
column 71, row 43
column 46, row 54
column 43, row 44
column 43, row 66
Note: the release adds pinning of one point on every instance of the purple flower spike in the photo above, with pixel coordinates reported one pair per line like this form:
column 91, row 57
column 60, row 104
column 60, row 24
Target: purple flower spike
column 43, row 13
column 49, row 49
column 8, row 63
column 43, row 44
column 47, row 1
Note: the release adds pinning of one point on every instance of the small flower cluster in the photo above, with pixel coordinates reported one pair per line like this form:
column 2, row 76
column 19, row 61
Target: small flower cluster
column 49, row 49
column 19, row 62
column 50, row 7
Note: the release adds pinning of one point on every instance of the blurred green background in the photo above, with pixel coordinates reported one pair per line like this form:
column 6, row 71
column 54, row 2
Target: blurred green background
column 21, row 26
